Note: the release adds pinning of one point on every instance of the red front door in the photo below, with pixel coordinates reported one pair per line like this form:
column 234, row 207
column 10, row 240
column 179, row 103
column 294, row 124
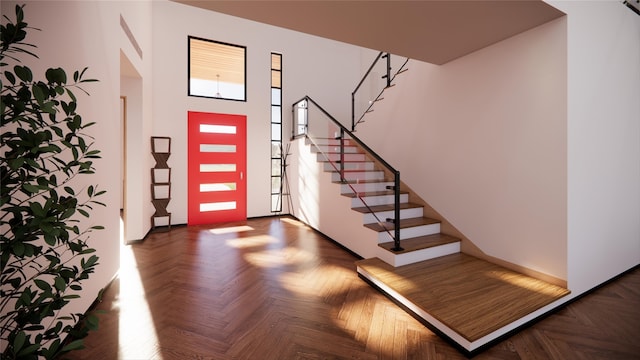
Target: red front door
column 217, row 153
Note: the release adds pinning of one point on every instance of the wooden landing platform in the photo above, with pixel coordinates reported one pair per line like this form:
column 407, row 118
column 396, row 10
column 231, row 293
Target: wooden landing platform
column 469, row 300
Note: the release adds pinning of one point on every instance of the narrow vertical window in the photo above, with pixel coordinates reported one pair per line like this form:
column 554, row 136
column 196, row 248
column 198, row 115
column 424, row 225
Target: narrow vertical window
column 276, row 133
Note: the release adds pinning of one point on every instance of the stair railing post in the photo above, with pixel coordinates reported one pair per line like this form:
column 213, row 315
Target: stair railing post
column 342, row 179
column 396, row 210
column 306, row 116
column 353, row 111
column 353, row 94
column 388, row 69
column 294, row 121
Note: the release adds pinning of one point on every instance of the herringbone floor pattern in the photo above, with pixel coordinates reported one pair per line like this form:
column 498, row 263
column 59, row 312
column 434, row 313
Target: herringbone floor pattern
column 274, row 289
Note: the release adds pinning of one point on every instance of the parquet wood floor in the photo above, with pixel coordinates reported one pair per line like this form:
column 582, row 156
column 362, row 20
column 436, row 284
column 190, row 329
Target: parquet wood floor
column 274, row 289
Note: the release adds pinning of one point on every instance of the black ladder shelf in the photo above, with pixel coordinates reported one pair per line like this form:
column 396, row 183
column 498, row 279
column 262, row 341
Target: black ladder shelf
column 161, row 182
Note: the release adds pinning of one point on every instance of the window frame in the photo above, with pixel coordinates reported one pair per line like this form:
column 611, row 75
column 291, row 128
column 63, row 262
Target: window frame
column 279, row 175
column 244, row 48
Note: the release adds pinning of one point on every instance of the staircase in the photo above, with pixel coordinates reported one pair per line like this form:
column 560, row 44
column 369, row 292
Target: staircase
column 342, row 183
column 348, row 192
column 466, row 300
column 371, row 195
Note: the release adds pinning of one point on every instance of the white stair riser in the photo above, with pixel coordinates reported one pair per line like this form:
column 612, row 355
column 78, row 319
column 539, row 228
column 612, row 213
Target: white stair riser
column 328, row 149
column 424, row 254
column 408, row 233
column 334, row 149
column 364, row 187
column 383, row 215
column 347, row 157
column 359, row 175
column 378, row 200
column 368, row 165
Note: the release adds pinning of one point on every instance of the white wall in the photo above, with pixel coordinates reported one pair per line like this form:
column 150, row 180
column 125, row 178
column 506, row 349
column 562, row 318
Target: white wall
column 76, row 35
column 137, row 194
column 319, row 204
column 137, row 85
column 324, row 69
column 482, row 139
column 603, row 141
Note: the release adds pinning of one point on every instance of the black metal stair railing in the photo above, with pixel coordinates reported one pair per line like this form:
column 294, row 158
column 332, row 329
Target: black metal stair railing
column 310, row 120
column 370, row 89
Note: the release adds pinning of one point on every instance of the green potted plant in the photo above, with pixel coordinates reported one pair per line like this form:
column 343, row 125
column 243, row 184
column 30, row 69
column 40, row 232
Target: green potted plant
column 45, row 256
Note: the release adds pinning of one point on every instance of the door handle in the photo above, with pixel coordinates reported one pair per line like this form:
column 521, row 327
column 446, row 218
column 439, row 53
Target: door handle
column 241, row 175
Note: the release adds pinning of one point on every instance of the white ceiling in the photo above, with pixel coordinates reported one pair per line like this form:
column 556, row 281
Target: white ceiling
column 435, row 31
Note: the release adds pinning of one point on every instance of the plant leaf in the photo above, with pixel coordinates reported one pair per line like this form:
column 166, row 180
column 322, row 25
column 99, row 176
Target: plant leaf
column 15, row 164
column 91, row 262
column 37, row 93
column 10, row 77
column 28, row 350
column 92, row 322
column 18, row 249
column 56, row 76
column 60, row 284
column 74, row 345
column 43, row 285
column 23, row 73
column 71, row 95
column 37, row 209
column 19, row 340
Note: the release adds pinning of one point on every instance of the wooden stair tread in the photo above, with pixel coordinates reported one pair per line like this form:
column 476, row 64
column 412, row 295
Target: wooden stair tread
column 371, row 193
column 346, row 153
column 404, row 223
column 345, row 160
column 362, row 181
column 378, row 208
column 332, row 138
column 420, row 242
column 356, row 171
column 319, row 151
column 469, row 295
column 336, row 145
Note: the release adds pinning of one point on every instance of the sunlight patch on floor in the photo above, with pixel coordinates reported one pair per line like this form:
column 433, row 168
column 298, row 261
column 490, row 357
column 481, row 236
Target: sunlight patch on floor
column 293, row 222
column 137, row 336
column 231, row 229
column 251, row 241
column 389, row 277
column 279, row 257
column 298, row 283
column 525, row 282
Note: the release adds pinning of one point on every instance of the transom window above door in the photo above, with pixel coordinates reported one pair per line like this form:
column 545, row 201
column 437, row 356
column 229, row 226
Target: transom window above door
column 217, row 69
